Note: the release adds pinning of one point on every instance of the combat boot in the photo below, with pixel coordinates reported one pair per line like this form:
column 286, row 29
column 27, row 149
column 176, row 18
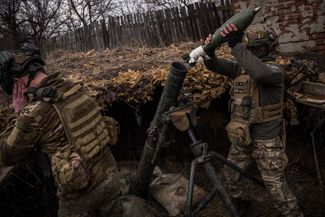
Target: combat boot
column 244, row 208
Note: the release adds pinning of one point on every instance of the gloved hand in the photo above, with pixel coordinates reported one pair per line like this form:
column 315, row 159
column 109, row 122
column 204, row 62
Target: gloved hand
column 235, row 38
column 5, row 59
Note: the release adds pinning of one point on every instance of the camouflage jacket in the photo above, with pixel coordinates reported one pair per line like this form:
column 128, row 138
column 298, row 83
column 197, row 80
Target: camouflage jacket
column 5, row 110
column 269, row 79
column 38, row 126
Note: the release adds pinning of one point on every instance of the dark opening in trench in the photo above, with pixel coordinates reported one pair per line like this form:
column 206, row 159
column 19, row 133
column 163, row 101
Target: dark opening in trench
column 134, row 121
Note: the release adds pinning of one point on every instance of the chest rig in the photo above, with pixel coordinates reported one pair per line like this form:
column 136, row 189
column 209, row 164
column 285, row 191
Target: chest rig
column 245, row 104
column 83, row 123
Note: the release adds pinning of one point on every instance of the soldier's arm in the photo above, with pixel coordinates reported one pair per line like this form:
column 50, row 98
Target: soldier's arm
column 259, row 71
column 222, row 66
column 18, row 139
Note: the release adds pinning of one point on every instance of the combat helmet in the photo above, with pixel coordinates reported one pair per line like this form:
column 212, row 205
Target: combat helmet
column 261, row 42
column 18, row 63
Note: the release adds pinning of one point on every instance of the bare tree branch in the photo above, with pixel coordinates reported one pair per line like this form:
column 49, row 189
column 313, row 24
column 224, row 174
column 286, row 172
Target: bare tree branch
column 90, row 11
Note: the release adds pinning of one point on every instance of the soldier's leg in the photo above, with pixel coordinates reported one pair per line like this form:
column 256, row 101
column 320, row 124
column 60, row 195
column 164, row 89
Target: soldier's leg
column 82, row 204
column 111, row 205
column 239, row 155
column 271, row 159
column 75, row 207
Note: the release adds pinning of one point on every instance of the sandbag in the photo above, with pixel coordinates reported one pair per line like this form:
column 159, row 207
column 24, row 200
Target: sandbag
column 127, row 171
column 170, row 191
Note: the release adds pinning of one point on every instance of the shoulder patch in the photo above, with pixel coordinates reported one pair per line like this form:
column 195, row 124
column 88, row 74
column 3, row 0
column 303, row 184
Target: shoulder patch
column 32, row 109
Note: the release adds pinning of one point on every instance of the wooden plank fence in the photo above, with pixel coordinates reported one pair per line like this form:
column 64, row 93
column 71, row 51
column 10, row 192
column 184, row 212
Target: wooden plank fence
column 154, row 28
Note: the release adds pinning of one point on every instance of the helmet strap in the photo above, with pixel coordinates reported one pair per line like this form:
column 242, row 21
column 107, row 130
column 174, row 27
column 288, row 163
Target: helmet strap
column 31, row 77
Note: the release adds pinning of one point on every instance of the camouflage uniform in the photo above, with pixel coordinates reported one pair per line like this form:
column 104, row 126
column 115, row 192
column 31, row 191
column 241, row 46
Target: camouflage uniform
column 271, row 159
column 5, row 110
column 256, row 122
column 75, row 143
column 100, row 201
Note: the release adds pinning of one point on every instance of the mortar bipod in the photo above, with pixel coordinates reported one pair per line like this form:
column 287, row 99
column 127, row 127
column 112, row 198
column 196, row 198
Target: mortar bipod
column 199, row 149
column 183, row 118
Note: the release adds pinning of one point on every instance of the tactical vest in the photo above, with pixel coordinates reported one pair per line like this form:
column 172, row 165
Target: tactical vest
column 246, row 110
column 84, row 126
column 86, row 129
column 244, row 103
column 85, row 161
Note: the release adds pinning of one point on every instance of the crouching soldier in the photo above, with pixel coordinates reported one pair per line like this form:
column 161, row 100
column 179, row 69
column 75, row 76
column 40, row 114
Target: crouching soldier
column 256, row 117
column 58, row 118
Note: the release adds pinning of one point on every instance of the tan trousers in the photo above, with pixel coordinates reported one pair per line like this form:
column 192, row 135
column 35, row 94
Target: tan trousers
column 271, row 160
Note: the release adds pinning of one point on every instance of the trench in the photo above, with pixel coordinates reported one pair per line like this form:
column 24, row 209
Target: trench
column 135, row 120
column 29, row 193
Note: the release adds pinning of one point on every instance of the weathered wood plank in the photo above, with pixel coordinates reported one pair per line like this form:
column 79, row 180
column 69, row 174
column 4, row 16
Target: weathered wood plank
column 153, row 28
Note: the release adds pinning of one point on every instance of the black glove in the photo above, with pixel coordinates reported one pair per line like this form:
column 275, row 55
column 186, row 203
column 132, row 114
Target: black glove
column 234, row 38
column 211, row 53
column 5, row 59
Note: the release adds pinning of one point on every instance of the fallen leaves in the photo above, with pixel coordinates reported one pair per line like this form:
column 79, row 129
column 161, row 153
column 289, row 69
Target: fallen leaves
column 132, row 74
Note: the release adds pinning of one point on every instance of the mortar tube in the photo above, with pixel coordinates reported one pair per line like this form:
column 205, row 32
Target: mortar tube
column 150, row 155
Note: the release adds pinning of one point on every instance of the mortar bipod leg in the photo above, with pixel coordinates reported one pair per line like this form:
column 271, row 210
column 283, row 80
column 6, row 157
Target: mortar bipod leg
column 236, row 168
column 199, row 149
column 217, row 187
column 189, row 200
column 220, row 189
column 190, row 189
